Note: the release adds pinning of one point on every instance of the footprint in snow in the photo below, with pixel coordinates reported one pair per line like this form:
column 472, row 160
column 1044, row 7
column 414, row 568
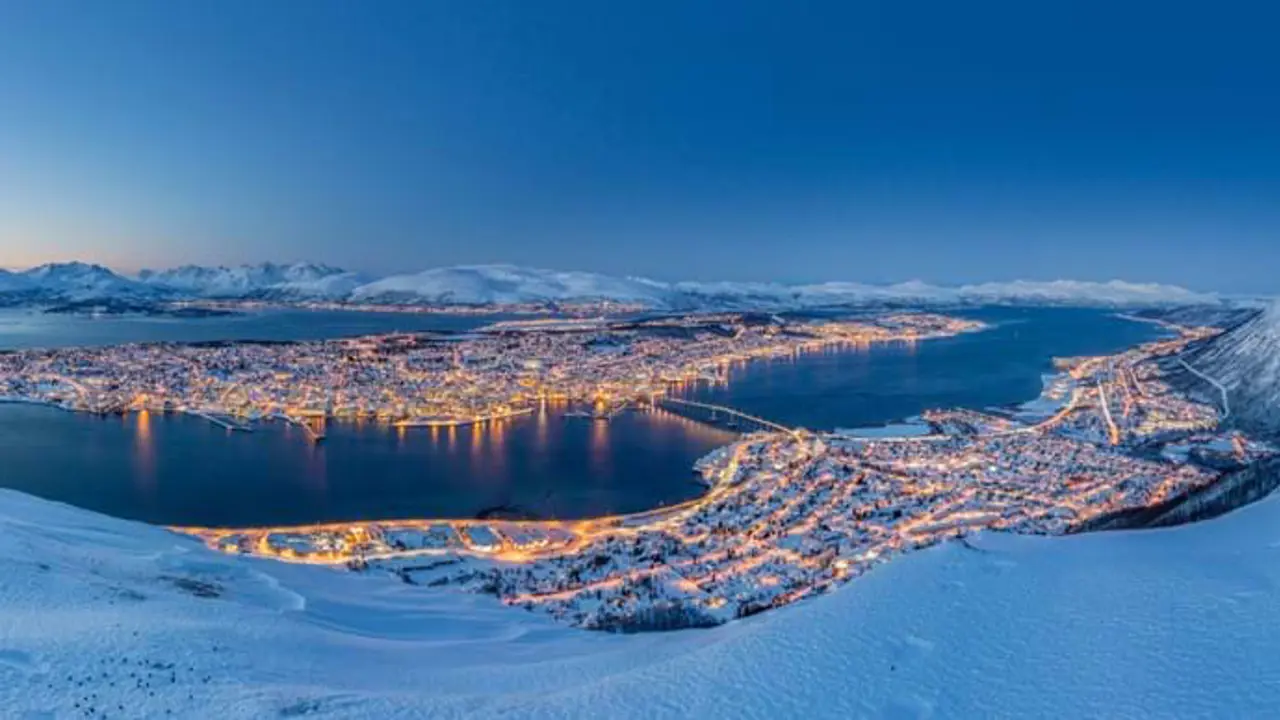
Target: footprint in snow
column 17, row 660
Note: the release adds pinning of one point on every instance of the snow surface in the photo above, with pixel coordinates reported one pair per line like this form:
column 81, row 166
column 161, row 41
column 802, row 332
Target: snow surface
column 484, row 284
column 1054, row 395
column 1114, row 293
column 1245, row 363
column 299, row 280
column 12, row 281
column 509, row 284
column 1162, row 623
column 1249, row 353
column 913, row 427
column 72, row 281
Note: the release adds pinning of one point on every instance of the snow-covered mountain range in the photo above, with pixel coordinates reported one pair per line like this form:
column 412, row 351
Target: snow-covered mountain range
column 67, row 281
column 509, row 284
column 484, row 284
column 1115, row 293
column 267, row 280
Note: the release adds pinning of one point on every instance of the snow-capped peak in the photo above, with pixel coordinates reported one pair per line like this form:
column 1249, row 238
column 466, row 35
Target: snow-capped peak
column 72, row 273
column 484, row 284
column 12, row 282
column 75, row 281
column 1114, row 292
column 477, row 284
column 297, row 280
column 506, row 284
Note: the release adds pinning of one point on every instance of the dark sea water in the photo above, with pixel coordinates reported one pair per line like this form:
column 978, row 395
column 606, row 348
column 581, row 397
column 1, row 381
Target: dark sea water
column 31, row 328
column 184, row 471
column 181, row 470
column 998, row 366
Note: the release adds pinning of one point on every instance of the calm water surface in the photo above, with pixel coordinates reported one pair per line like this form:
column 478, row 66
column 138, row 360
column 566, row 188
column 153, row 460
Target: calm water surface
column 30, row 328
column 858, row 388
column 182, row 470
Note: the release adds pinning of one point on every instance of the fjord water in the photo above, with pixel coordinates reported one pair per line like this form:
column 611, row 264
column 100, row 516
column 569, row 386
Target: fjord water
column 180, row 470
column 32, row 328
column 999, row 366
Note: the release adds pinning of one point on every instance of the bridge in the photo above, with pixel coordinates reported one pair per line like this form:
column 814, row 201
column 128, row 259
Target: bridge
column 692, row 409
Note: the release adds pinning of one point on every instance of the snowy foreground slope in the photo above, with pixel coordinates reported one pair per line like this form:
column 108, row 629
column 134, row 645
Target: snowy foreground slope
column 111, row 614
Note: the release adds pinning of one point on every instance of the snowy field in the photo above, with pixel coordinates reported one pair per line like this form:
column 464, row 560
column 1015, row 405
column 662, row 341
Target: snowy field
column 911, row 427
column 132, row 621
column 1054, row 395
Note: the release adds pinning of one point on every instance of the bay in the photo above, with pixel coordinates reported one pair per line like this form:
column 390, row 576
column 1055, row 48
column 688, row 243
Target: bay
column 180, row 470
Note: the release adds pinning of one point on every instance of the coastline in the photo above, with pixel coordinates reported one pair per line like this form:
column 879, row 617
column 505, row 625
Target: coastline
column 874, row 436
column 762, row 479
column 689, row 373
column 510, row 558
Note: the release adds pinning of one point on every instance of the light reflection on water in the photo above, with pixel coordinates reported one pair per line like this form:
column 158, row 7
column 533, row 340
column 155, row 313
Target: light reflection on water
column 182, row 470
column 144, row 455
column 867, row 385
column 175, row 469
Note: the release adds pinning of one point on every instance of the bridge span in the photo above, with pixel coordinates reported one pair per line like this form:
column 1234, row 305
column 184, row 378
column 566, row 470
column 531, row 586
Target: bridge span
column 707, row 412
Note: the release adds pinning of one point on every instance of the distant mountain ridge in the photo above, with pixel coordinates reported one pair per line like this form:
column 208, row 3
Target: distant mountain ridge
column 69, row 282
column 508, row 284
column 266, row 280
column 511, row 284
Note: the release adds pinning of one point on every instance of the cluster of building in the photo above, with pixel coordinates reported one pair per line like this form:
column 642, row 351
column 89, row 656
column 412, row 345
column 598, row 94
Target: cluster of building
column 791, row 514
column 426, row 379
column 787, row 514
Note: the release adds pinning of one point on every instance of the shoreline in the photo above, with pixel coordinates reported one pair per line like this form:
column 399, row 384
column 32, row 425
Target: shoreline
column 781, row 501
column 695, row 372
column 643, row 516
column 400, row 425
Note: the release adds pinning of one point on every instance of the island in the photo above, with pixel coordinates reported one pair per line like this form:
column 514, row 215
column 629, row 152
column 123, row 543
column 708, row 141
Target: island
column 788, row 513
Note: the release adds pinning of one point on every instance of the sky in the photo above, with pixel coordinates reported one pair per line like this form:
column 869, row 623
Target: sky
column 791, row 141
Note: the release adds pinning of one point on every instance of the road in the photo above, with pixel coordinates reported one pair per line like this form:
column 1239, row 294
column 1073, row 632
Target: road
column 1226, row 404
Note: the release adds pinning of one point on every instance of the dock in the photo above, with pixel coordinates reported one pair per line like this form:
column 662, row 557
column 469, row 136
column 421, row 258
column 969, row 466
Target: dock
column 720, row 416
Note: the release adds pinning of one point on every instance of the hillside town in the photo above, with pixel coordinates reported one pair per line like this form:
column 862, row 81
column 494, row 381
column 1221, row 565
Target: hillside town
column 793, row 513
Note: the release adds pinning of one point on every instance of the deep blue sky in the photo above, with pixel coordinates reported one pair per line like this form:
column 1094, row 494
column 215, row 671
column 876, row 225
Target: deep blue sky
column 793, row 141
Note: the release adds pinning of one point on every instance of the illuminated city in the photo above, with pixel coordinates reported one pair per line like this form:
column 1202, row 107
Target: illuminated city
column 509, row 369
column 639, row 361
column 788, row 513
